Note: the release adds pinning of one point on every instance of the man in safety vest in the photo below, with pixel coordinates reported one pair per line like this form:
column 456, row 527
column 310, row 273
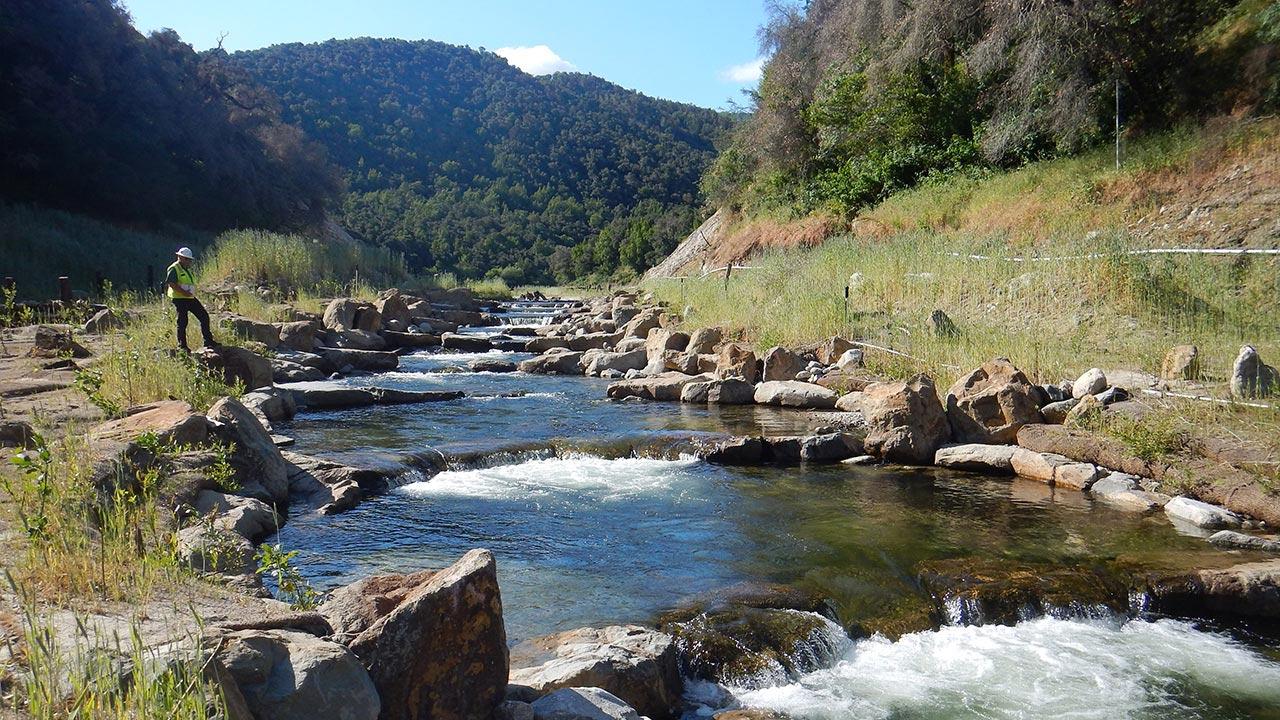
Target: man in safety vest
column 180, row 286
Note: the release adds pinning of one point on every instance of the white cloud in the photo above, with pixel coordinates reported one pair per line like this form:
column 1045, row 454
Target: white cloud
column 744, row 73
column 536, row 60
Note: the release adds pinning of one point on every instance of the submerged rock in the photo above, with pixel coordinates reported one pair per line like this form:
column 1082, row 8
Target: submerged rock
column 1233, row 539
column 971, row 591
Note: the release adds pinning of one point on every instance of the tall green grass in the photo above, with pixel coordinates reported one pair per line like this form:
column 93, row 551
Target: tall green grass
column 1053, row 319
column 293, row 262
column 38, row 244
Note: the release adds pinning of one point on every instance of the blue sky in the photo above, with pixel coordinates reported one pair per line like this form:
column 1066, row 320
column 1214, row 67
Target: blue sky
column 698, row 51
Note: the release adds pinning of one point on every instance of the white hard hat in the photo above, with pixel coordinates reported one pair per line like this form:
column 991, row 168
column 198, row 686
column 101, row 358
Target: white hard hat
column 185, row 252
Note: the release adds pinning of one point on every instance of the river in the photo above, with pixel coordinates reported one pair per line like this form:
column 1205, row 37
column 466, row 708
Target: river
column 590, row 534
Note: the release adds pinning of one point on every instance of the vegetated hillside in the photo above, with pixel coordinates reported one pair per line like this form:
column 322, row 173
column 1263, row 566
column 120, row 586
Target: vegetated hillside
column 471, row 166
column 862, row 98
column 98, row 119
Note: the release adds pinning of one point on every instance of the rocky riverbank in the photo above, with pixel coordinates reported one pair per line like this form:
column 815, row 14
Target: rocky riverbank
column 433, row 643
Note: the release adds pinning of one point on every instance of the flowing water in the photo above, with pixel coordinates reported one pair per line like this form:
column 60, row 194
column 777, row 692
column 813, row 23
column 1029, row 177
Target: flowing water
column 589, row 534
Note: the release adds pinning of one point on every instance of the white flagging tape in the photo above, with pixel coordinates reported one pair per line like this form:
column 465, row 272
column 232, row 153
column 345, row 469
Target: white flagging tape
column 1152, row 251
column 891, row 351
column 1205, row 398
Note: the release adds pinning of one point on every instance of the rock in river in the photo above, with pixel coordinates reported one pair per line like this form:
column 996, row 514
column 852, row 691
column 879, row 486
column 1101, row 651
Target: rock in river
column 465, row 343
column 441, row 652
column 795, row 394
column 1201, row 514
column 636, row 664
column 582, row 703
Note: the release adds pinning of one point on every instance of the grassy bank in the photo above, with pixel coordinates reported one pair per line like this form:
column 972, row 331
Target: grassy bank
column 38, row 245
column 1095, row 305
column 1054, row 318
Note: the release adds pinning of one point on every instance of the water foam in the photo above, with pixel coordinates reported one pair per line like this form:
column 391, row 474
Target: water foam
column 1047, row 667
column 596, row 478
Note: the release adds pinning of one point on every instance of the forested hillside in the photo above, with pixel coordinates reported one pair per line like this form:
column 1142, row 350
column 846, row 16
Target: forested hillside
column 862, row 98
column 471, row 166
column 98, row 119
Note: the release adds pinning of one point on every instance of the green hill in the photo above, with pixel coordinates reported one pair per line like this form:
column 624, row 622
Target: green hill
column 470, row 166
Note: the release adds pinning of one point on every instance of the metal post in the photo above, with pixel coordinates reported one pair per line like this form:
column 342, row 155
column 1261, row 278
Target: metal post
column 846, row 304
column 728, row 269
column 64, row 289
column 1117, row 120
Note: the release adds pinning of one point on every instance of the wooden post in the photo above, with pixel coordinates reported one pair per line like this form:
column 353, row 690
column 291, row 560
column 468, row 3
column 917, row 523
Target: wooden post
column 727, row 270
column 64, row 289
column 99, row 283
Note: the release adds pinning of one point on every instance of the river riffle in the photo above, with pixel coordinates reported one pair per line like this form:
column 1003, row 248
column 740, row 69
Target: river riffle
column 543, row 473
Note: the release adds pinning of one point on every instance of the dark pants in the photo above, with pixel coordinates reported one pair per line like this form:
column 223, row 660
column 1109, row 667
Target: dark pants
column 193, row 306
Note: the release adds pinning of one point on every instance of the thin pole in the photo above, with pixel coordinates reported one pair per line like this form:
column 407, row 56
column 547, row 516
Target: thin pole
column 1117, row 121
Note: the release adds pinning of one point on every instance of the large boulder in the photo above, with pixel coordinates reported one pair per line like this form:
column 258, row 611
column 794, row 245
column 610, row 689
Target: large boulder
column 288, row 675
column 256, row 331
column 214, row 549
column 830, row 351
column 55, row 342
column 564, row 362
column 905, row 420
column 300, row 335
column 735, row 361
column 171, row 421
column 719, row 392
column 260, row 470
column 661, row 340
column 990, row 404
column 781, row 364
column 393, row 308
column 704, row 341
column 102, row 322
column 638, row 665
column 356, row 340
column 640, row 325
column 1252, row 378
column 465, row 343
column 238, row 365
column 665, row 387
column 620, row 361
column 442, row 651
column 330, row 487
column 1201, row 514
column 270, row 405
column 347, row 314
column 795, row 394
column 252, row 519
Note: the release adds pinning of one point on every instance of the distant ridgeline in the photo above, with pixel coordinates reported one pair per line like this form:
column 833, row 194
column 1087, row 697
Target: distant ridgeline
column 469, row 165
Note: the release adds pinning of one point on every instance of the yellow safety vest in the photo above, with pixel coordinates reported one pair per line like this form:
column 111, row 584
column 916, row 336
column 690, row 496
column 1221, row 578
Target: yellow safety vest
column 185, row 277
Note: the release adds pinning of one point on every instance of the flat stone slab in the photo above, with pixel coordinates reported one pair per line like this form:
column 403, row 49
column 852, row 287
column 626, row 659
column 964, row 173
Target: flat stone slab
column 976, row 456
column 1201, row 514
column 1233, row 539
